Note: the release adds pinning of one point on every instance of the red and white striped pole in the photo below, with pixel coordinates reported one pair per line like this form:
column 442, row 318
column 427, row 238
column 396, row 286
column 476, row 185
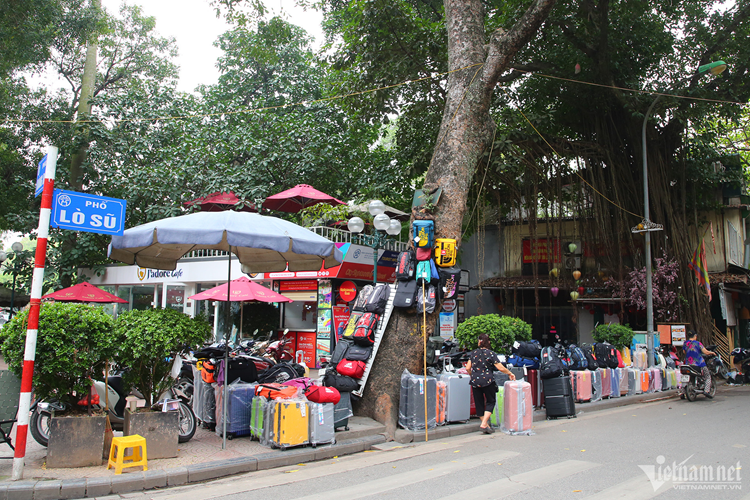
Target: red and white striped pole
column 24, row 400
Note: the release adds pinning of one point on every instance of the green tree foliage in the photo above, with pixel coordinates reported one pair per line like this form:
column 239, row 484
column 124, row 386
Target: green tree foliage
column 616, row 334
column 73, row 344
column 503, row 331
column 145, row 341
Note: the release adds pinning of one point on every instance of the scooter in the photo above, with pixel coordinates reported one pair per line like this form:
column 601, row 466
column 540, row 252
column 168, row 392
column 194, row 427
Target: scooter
column 715, row 364
column 114, row 400
column 742, row 355
column 281, row 350
column 692, row 378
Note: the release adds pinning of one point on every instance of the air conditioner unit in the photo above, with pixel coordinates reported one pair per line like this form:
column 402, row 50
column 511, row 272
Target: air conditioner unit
column 578, row 247
column 572, row 262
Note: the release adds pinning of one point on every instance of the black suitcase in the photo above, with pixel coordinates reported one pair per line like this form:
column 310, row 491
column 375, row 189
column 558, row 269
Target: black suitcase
column 558, row 397
column 342, row 411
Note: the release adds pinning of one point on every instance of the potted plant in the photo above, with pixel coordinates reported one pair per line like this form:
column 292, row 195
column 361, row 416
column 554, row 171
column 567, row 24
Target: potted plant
column 620, row 336
column 503, row 331
column 72, row 344
column 147, row 341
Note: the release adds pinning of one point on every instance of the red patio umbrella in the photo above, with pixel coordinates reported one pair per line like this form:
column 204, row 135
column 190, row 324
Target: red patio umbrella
column 300, row 196
column 84, row 292
column 217, row 202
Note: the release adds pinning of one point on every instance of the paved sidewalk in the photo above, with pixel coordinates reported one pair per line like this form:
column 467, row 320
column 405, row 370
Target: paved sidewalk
column 202, row 458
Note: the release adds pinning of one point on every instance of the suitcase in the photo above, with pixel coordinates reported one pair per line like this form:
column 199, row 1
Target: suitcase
column 342, row 411
column 261, row 412
column 606, row 382
column 457, row 396
column 496, row 419
column 625, row 353
column 614, row 376
column 596, row 385
column 291, row 424
column 640, row 360
column 517, row 410
column 622, row 374
column 655, row 382
column 321, row 424
column 664, row 382
column 537, row 388
column 581, row 385
column 441, row 402
column 239, row 405
column 645, row 378
column 411, row 409
column 634, row 381
column 558, row 398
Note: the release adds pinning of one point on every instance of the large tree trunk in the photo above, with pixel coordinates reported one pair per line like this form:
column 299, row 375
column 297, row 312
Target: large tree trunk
column 465, row 132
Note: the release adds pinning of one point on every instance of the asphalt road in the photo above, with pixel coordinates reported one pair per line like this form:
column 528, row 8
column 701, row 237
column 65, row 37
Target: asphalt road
column 594, row 456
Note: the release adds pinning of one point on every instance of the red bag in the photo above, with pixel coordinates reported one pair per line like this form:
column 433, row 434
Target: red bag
column 620, row 362
column 276, row 391
column 353, row 369
column 320, row 394
column 364, row 332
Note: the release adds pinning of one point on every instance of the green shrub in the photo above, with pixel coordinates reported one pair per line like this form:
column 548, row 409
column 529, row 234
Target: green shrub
column 147, row 338
column 503, row 331
column 616, row 334
column 73, row 343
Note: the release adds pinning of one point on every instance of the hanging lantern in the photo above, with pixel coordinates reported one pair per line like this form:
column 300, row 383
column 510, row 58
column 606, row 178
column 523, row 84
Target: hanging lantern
column 554, row 272
column 554, row 290
column 581, row 289
column 592, row 311
column 577, row 274
column 572, row 247
column 574, row 295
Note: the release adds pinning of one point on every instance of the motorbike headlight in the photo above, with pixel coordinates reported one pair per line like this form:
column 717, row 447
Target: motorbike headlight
column 43, row 406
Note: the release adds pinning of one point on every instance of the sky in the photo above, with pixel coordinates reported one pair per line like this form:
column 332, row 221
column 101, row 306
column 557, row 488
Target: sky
column 194, row 25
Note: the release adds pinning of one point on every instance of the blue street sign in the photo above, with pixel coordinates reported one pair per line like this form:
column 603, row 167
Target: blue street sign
column 40, row 171
column 87, row 212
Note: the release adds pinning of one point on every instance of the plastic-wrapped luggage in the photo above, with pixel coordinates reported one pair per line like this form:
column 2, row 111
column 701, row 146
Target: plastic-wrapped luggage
column 622, row 374
column 440, row 406
column 640, row 360
column 342, row 411
column 614, row 376
column 261, row 419
column 239, row 406
column 416, row 391
column 581, row 385
column 204, row 400
column 606, row 382
column 596, row 385
column 644, row 380
column 558, row 397
column 634, row 381
column 664, row 381
column 517, row 409
column 457, row 396
column 655, row 382
column 291, row 423
column 496, row 419
column 321, row 423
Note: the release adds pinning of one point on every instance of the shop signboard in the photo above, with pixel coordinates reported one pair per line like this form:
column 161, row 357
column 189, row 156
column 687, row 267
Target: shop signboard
column 348, row 291
column 298, row 285
column 678, row 335
column 447, row 325
column 449, row 305
column 541, row 250
column 358, row 263
column 306, row 344
column 340, row 318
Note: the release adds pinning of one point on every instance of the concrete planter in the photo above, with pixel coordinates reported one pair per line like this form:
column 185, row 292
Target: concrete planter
column 161, row 430
column 75, row 441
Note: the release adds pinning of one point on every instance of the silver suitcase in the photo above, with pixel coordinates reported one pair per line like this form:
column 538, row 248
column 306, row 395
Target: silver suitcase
column 321, row 424
column 457, row 397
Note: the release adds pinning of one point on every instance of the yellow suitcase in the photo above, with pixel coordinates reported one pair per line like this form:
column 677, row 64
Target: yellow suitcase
column 445, row 252
column 290, row 424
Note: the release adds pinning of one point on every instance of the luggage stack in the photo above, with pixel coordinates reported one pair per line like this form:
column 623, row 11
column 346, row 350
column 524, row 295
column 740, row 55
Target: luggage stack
column 457, row 396
column 204, row 400
column 239, row 404
column 261, row 416
column 291, row 423
column 558, row 399
column 416, row 392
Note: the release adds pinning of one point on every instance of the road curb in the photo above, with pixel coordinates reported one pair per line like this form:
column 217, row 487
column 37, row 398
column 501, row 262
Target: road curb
column 196, row 473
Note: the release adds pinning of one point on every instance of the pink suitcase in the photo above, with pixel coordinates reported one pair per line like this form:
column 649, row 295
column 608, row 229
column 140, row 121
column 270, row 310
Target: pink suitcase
column 517, row 409
column 624, row 383
column 655, row 375
column 581, row 385
column 606, row 382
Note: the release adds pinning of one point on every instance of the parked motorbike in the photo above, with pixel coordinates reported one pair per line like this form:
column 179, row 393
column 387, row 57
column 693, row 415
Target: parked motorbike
column 741, row 357
column 281, row 350
column 114, row 401
column 693, row 382
column 715, row 364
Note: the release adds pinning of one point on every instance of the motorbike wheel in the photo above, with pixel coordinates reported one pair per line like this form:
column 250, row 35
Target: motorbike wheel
column 723, row 372
column 188, row 423
column 185, row 386
column 690, row 393
column 712, row 392
column 39, row 426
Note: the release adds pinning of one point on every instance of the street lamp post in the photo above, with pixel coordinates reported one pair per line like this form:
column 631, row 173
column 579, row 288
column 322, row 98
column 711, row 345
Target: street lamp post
column 646, row 226
column 16, row 247
column 378, row 239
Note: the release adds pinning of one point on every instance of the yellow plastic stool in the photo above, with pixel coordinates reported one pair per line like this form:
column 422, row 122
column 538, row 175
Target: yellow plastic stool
column 117, row 458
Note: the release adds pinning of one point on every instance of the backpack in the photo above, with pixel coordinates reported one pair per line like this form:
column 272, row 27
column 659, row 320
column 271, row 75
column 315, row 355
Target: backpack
column 357, row 353
column 550, row 366
column 590, row 358
column 362, row 297
column 426, row 301
column 406, row 265
column 424, row 272
column 445, row 252
column 342, row 383
column 277, row 373
column 350, row 326
column 208, row 370
column 531, row 349
column 423, row 254
column 519, row 361
column 424, row 233
column 364, row 333
column 406, row 292
column 578, row 359
column 605, row 355
column 340, row 351
column 433, row 348
column 353, row 369
column 378, row 299
column 449, row 278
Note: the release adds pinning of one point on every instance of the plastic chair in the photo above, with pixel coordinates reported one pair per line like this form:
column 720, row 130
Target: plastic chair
column 120, row 445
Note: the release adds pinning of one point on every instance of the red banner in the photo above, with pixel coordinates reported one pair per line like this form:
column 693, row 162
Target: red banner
column 541, row 250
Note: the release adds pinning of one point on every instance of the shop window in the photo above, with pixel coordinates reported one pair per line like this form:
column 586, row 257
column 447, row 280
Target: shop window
column 301, row 315
column 176, row 297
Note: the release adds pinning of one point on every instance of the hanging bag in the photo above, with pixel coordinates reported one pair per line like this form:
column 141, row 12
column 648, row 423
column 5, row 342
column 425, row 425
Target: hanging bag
column 445, row 252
